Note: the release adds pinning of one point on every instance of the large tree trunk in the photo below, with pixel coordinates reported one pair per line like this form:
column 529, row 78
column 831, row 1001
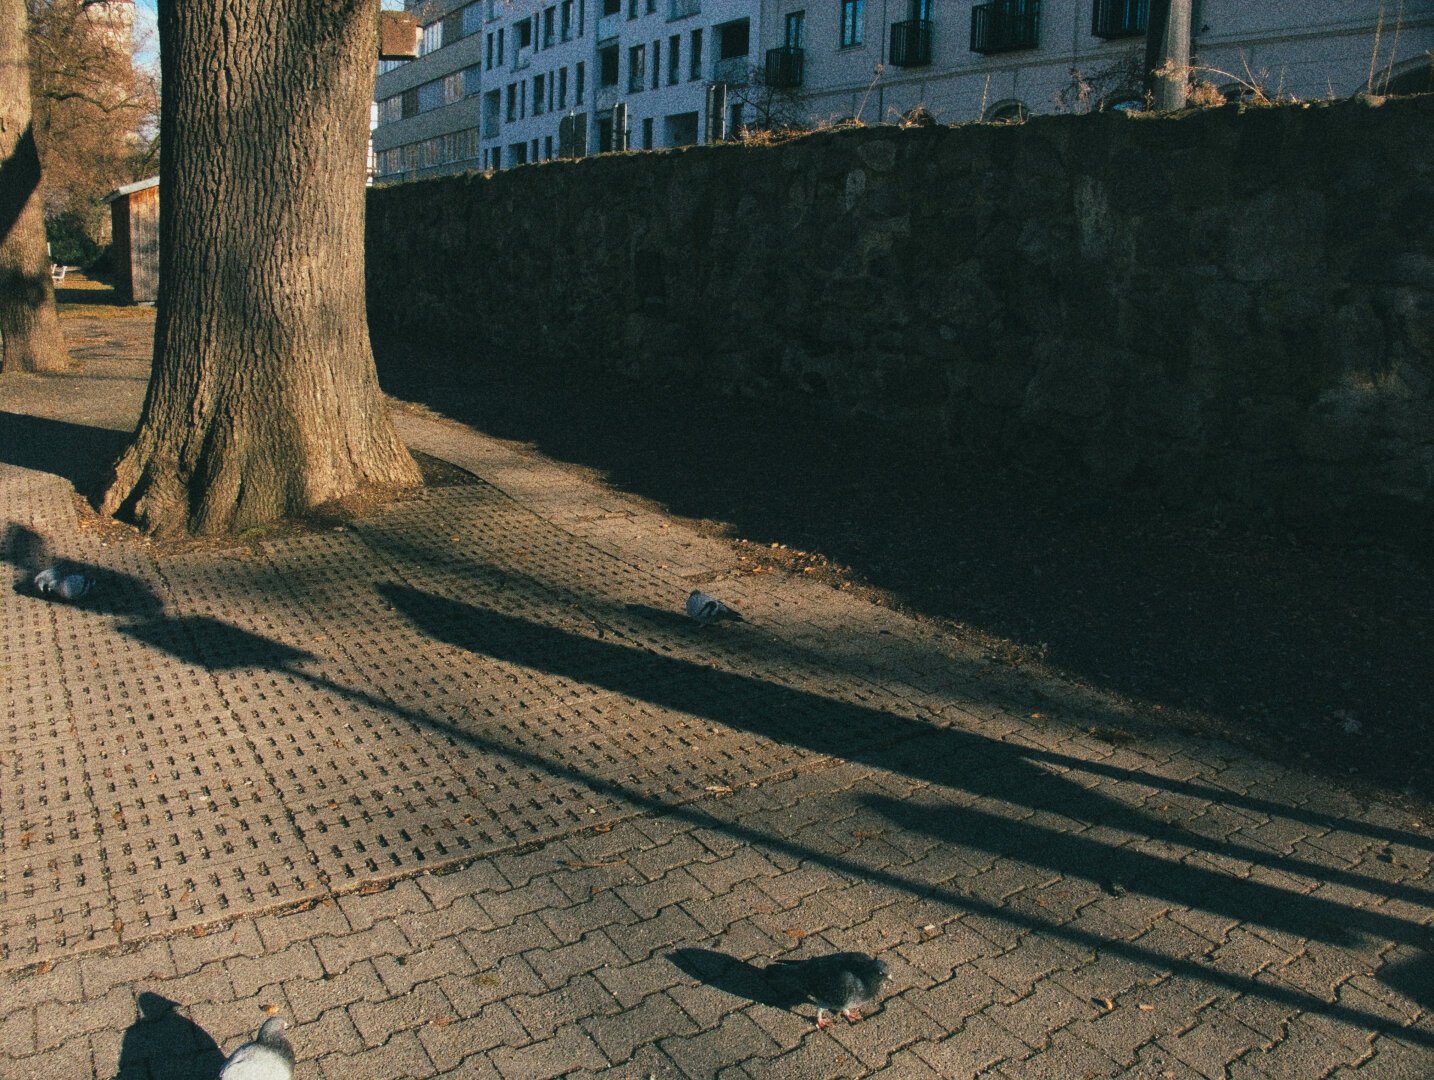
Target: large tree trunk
column 29, row 324
column 264, row 400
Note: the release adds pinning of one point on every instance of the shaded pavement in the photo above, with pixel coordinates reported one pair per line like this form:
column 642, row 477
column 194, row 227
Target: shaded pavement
column 452, row 787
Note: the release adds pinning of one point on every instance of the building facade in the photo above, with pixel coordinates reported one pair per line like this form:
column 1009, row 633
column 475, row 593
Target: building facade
column 505, row 82
column 498, row 83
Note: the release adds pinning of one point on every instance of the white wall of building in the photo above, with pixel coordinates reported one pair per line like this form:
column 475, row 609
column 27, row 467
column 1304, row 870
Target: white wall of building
column 1305, row 49
column 494, row 91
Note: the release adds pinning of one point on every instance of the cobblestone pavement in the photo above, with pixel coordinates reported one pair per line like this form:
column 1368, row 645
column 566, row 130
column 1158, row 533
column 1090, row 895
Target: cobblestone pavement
column 459, row 792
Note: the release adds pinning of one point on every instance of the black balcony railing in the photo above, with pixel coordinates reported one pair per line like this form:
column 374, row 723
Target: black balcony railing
column 911, row 43
column 1005, row 26
column 1119, row 18
column 784, row 66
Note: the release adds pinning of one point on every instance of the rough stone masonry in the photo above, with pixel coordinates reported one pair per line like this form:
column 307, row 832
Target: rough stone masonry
column 1231, row 307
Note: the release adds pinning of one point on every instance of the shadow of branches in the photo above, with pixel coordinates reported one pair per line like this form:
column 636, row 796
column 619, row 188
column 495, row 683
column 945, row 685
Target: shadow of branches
column 1314, row 648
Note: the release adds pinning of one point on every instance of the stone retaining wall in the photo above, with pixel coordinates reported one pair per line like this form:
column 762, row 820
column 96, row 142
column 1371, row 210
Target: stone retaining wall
column 1228, row 308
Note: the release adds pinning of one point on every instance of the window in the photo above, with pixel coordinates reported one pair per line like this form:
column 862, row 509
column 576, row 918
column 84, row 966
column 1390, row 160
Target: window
column 647, row 134
column 538, row 95
column 517, row 153
column 512, row 103
column 656, row 64
column 733, row 39
column 410, row 103
column 604, row 135
column 796, row 35
column 525, row 34
column 430, row 95
column 452, row 27
column 1006, row 112
column 607, row 65
column 488, row 54
column 566, row 22
column 550, row 30
column 636, row 67
column 578, row 83
column 674, row 59
column 453, row 88
column 632, row 9
column 472, row 80
column 696, row 55
column 548, row 148
column 853, row 14
column 562, row 89
column 492, row 112
column 651, row 7
column 432, row 39
column 500, row 46
column 612, row 7
column 472, row 18
column 390, row 109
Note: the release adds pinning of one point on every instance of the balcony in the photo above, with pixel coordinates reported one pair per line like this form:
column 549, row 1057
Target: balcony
column 1005, row 26
column 911, row 43
column 1119, row 18
column 784, row 67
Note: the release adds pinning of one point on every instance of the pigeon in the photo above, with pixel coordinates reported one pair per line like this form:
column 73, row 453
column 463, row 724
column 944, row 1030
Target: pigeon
column 268, row 1057
column 706, row 608
column 840, row 982
column 55, row 582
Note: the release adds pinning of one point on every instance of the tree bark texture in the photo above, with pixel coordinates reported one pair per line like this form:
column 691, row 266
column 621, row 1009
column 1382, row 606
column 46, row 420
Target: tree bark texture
column 29, row 323
column 264, row 401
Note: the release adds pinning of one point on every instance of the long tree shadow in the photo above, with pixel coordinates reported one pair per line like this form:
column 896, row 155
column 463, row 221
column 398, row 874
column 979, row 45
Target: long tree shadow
column 964, row 762
column 971, row 764
column 1223, row 629
column 78, row 453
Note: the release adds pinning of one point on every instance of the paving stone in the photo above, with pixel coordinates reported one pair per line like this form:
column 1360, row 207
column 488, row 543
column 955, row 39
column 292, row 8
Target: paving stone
column 567, row 1051
column 451, row 1041
column 402, row 1055
column 478, row 764
column 376, row 1021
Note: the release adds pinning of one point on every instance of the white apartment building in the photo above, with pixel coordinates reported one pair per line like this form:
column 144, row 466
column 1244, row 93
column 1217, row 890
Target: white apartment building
column 876, row 60
column 504, row 82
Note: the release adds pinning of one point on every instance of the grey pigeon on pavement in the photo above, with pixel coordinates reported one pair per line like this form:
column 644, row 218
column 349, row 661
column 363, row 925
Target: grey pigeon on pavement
column 55, row 582
column 268, row 1057
column 840, row 982
column 706, row 608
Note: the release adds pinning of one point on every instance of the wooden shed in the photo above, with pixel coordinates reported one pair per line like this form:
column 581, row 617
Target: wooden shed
column 134, row 216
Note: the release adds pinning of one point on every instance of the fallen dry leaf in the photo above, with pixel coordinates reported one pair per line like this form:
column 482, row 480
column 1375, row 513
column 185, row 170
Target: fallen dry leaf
column 719, row 789
column 42, row 967
column 270, row 1008
column 1146, row 1008
column 604, row 827
column 795, row 931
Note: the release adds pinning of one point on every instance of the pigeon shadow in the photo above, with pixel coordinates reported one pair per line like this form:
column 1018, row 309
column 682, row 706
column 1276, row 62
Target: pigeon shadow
column 114, row 592
column 661, row 618
column 161, row 1044
column 737, row 977
column 1414, row 978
